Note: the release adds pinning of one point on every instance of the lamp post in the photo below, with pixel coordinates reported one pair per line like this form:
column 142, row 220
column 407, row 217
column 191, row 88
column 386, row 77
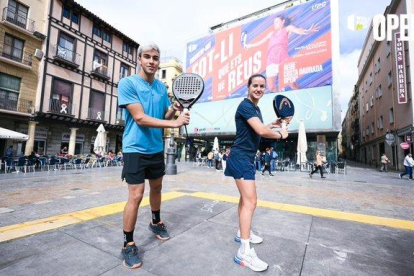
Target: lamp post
column 171, row 167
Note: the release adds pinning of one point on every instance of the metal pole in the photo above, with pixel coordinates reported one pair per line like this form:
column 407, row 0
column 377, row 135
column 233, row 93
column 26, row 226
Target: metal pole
column 171, row 167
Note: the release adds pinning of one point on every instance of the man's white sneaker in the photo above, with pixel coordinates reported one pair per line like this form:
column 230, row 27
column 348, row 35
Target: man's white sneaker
column 250, row 260
column 253, row 238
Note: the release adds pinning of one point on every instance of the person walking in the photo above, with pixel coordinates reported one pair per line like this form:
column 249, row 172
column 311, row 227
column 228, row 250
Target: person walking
column 240, row 166
column 408, row 164
column 267, row 162
column 318, row 165
column 147, row 111
column 224, row 160
column 384, row 163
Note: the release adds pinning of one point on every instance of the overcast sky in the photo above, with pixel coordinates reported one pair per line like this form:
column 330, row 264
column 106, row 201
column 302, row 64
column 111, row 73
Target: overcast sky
column 171, row 24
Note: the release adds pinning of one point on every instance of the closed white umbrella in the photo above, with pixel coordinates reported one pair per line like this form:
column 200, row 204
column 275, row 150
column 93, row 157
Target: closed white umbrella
column 216, row 144
column 99, row 144
column 12, row 135
column 302, row 147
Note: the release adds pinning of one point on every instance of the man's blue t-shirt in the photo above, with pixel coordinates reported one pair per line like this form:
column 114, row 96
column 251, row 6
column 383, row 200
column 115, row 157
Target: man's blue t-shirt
column 154, row 100
column 247, row 140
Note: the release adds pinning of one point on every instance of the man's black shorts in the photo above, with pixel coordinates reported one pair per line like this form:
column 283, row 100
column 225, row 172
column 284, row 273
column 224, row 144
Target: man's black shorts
column 138, row 167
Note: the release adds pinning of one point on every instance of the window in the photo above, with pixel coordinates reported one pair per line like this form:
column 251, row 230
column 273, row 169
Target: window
column 100, row 62
column 61, row 96
column 127, row 48
column 381, row 122
column 106, row 36
column 378, row 64
column 75, row 18
column 96, row 105
column 69, row 14
column 372, row 101
column 66, row 12
column 388, row 48
column 66, row 47
column 378, row 91
column 13, row 48
column 389, row 78
column 372, row 128
column 9, row 91
column 124, row 71
column 163, row 74
column 97, row 31
column 370, row 78
column 17, row 13
column 366, row 105
column 391, row 115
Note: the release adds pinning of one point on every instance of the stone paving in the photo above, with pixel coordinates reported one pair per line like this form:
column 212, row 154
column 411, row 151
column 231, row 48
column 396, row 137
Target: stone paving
column 203, row 222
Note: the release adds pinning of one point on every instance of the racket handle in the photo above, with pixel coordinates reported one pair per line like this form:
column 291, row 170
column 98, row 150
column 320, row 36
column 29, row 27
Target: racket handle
column 283, row 124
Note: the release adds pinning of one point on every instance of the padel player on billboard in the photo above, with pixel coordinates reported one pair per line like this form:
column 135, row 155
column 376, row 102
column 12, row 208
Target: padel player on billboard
column 277, row 48
column 147, row 111
column 240, row 166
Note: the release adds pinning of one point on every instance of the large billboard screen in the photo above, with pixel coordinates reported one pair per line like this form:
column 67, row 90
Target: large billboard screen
column 291, row 47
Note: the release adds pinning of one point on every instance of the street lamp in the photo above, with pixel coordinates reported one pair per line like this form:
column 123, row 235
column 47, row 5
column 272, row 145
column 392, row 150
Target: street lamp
column 171, row 167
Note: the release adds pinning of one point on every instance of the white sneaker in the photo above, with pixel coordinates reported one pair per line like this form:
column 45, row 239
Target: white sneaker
column 253, row 238
column 250, row 260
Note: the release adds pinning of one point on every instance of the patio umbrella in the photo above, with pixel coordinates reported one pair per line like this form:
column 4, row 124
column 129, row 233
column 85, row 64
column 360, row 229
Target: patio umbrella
column 99, row 144
column 302, row 147
column 12, row 135
column 215, row 144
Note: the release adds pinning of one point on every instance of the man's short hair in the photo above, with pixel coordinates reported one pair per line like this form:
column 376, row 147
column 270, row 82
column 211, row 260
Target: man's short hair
column 148, row 46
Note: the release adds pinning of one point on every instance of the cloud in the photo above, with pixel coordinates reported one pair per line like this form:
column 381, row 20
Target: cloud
column 349, row 76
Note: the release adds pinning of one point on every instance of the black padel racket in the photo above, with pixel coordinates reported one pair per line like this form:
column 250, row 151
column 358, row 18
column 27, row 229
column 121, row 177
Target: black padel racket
column 187, row 89
column 284, row 109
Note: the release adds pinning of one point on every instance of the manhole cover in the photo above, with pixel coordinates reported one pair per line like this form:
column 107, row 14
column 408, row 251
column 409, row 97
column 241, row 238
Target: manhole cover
column 75, row 189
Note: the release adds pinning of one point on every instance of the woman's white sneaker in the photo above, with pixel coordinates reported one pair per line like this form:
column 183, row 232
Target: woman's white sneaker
column 253, row 238
column 250, row 260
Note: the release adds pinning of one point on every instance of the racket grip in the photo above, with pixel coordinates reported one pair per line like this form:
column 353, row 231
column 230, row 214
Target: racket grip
column 283, row 124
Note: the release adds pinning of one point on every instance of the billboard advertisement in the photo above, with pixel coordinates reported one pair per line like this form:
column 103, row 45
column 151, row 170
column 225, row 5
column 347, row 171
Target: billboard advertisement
column 291, row 47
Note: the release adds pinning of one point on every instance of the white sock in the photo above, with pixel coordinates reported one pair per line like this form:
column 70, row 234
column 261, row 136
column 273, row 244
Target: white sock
column 245, row 246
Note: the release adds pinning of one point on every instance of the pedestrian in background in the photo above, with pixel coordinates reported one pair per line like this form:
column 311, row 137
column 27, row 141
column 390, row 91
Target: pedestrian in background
column 384, row 162
column 267, row 160
column 408, row 164
column 318, row 165
column 240, row 166
column 224, row 160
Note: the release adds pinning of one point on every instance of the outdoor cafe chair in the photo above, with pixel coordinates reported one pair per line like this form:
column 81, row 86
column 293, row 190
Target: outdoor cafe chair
column 30, row 165
column 53, row 163
column 78, row 163
column 43, row 162
column 8, row 165
column 21, row 164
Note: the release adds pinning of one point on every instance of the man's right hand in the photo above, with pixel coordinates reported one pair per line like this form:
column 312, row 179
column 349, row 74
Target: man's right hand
column 183, row 119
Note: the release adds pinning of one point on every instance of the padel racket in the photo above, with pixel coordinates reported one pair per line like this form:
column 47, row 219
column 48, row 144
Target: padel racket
column 284, row 109
column 187, row 89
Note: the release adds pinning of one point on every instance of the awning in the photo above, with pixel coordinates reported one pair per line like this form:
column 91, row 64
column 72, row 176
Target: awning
column 12, row 135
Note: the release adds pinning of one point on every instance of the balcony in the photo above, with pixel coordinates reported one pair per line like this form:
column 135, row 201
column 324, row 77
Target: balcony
column 100, row 71
column 19, row 105
column 66, row 56
column 58, row 107
column 20, row 23
column 97, row 114
column 15, row 56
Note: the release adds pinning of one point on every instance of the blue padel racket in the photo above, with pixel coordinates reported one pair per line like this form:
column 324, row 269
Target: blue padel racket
column 284, row 109
column 187, row 89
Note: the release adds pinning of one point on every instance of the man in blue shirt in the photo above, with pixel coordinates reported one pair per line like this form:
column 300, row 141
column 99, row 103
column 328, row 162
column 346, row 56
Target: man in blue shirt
column 147, row 112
